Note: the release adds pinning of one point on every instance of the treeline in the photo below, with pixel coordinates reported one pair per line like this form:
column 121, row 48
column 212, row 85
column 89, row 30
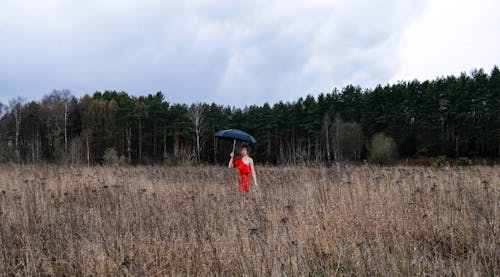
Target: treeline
column 453, row 116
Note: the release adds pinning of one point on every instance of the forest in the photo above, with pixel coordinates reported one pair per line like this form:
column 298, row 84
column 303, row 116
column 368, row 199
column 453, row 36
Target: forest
column 455, row 116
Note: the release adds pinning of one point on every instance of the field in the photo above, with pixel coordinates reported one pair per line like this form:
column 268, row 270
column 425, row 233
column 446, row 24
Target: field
column 154, row 220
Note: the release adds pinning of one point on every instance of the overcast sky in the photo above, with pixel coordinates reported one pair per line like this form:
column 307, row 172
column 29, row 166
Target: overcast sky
column 238, row 52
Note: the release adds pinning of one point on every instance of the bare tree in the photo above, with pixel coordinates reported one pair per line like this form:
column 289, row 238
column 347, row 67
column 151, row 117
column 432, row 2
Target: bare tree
column 3, row 109
column 128, row 135
column 164, row 140
column 337, row 147
column 142, row 112
column 326, row 129
column 88, row 106
column 348, row 140
column 197, row 118
column 57, row 107
column 66, row 97
column 16, row 106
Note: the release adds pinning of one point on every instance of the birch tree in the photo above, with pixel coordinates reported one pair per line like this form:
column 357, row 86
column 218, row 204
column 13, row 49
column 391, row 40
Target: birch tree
column 197, row 119
column 16, row 106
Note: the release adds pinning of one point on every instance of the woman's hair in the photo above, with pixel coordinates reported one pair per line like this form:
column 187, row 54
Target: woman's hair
column 246, row 147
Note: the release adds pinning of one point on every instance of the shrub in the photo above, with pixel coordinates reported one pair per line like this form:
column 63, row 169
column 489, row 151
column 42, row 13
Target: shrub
column 383, row 149
column 110, row 157
column 464, row 161
column 439, row 161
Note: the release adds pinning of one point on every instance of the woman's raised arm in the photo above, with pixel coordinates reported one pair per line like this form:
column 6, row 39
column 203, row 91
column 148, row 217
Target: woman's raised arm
column 231, row 164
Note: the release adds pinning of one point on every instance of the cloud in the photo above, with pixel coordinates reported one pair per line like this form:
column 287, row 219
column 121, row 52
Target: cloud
column 451, row 37
column 210, row 50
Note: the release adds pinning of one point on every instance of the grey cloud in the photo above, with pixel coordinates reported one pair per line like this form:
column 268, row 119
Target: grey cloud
column 199, row 51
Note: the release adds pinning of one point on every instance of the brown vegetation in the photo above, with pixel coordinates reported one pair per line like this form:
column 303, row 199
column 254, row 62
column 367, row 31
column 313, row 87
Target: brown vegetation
column 305, row 221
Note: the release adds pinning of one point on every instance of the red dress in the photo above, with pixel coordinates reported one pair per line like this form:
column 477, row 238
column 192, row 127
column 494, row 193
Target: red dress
column 244, row 171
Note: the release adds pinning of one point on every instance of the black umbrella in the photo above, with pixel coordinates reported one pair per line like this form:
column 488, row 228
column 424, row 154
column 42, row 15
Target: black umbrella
column 235, row 134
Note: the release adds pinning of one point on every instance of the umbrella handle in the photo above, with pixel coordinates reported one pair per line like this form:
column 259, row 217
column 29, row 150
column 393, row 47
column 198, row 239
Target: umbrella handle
column 234, row 144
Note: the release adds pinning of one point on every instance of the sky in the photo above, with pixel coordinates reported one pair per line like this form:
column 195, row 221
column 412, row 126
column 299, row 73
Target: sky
column 238, row 52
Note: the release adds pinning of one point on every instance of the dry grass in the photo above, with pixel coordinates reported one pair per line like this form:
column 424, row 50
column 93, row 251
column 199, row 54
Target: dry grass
column 156, row 220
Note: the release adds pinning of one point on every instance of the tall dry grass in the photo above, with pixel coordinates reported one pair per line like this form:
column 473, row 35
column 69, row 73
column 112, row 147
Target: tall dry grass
column 305, row 221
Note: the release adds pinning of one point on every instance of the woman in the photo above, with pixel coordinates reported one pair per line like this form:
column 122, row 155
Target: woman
column 245, row 167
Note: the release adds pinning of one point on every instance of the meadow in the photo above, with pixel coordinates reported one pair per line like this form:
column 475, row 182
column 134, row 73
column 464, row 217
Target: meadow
column 186, row 220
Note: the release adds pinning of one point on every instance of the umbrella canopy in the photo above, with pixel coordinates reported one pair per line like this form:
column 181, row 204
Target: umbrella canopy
column 235, row 134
